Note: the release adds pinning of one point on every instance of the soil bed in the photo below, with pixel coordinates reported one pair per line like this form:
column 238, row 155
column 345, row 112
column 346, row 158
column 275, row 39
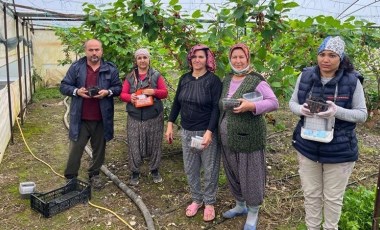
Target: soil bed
column 47, row 137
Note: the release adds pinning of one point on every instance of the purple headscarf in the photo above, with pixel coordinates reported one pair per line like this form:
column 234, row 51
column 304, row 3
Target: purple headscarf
column 210, row 62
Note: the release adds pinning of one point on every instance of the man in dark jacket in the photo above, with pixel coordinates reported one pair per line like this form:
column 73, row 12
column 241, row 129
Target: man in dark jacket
column 91, row 83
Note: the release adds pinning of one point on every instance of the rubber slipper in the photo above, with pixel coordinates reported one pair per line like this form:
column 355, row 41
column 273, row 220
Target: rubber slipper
column 192, row 209
column 209, row 213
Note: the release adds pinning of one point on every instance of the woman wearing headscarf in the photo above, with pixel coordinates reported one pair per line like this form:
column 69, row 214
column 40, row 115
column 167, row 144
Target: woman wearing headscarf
column 326, row 165
column 145, row 125
column 196, row 100
column 243, row 135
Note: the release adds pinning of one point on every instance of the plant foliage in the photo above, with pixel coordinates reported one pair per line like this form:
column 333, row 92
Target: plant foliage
column 357, row 209
column 280, row 47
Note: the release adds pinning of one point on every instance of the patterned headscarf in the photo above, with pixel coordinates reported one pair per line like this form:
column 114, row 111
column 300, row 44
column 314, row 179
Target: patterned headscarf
column 335, row 44
column 245, row 49
column 142, row 51
column 210, row 62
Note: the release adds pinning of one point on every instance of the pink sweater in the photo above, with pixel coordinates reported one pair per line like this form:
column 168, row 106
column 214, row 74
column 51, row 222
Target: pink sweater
column 161, row 92
column 269, row 102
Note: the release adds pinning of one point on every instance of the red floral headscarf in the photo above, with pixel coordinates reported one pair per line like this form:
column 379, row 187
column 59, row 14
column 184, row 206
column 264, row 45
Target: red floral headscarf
column 245, row 49
column 210, row 62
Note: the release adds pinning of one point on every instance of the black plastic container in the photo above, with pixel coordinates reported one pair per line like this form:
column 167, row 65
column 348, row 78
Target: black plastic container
column 58, row 200
column 230, row 104
column 317, row 105
column 93, row 91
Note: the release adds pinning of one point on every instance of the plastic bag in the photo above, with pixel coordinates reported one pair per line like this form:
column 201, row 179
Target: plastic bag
column 143, row 100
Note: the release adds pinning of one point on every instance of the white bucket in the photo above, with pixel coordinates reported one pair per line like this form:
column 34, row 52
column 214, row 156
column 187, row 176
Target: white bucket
column 27, row 188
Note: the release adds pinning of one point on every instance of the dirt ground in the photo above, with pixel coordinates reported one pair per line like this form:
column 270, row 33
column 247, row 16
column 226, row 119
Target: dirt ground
column 47, row 138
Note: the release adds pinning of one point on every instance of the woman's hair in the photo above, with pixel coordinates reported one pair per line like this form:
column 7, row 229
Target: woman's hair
column 346, row 64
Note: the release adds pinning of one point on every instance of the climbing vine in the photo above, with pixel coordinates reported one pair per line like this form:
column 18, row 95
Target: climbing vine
column 280, row 46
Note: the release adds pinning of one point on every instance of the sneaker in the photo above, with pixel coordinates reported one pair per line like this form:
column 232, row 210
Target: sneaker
column 134, row 179
column 96, row 182
column 156, row 176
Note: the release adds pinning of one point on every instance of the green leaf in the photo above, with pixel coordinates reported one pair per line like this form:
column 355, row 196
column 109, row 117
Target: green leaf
column 140, row 12
column 173, row 2
column 91, row 6
column 276, row 84
column 225, row 11
column 177, row 7
column 332, row 21
column 308, row 22
column 241, row 21
column 239, row 12
column 291, row 5
column 119, row 4
column 93, row 18
column 253, row 2
column 351, row 18
column 262, row 52
column 196, row 14
column 279, row 7
column 259, row 66
column 267, row 34
column 320, row 19
column 288, row 70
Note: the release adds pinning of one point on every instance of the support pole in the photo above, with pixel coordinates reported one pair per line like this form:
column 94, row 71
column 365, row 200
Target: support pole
column 7, row 69
column 24, row 57
column 376, row 212
column 31, row 86
column 19, row 71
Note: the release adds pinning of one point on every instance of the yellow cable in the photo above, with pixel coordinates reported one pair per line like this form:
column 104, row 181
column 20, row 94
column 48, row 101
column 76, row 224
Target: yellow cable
column 94, row 205
column 27, row 146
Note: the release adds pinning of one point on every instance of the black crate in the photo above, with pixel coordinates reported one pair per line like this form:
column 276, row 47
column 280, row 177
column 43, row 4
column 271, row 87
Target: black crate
column 58, row 200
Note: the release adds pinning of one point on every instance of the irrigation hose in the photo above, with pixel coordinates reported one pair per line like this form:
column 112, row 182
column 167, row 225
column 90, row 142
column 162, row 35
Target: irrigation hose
column 27, row 146
column 131, row 194
column 96, row 206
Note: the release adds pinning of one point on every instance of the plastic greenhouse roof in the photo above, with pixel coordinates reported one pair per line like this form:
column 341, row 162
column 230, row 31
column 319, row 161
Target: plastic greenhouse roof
column 39, row 10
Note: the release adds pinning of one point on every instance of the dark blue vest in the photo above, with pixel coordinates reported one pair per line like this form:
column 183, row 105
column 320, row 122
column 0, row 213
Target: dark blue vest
column 343, row 147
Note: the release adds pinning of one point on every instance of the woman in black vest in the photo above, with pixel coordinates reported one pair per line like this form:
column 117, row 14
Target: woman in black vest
column 242, row 129
column 325, row 140
column 143, row 90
